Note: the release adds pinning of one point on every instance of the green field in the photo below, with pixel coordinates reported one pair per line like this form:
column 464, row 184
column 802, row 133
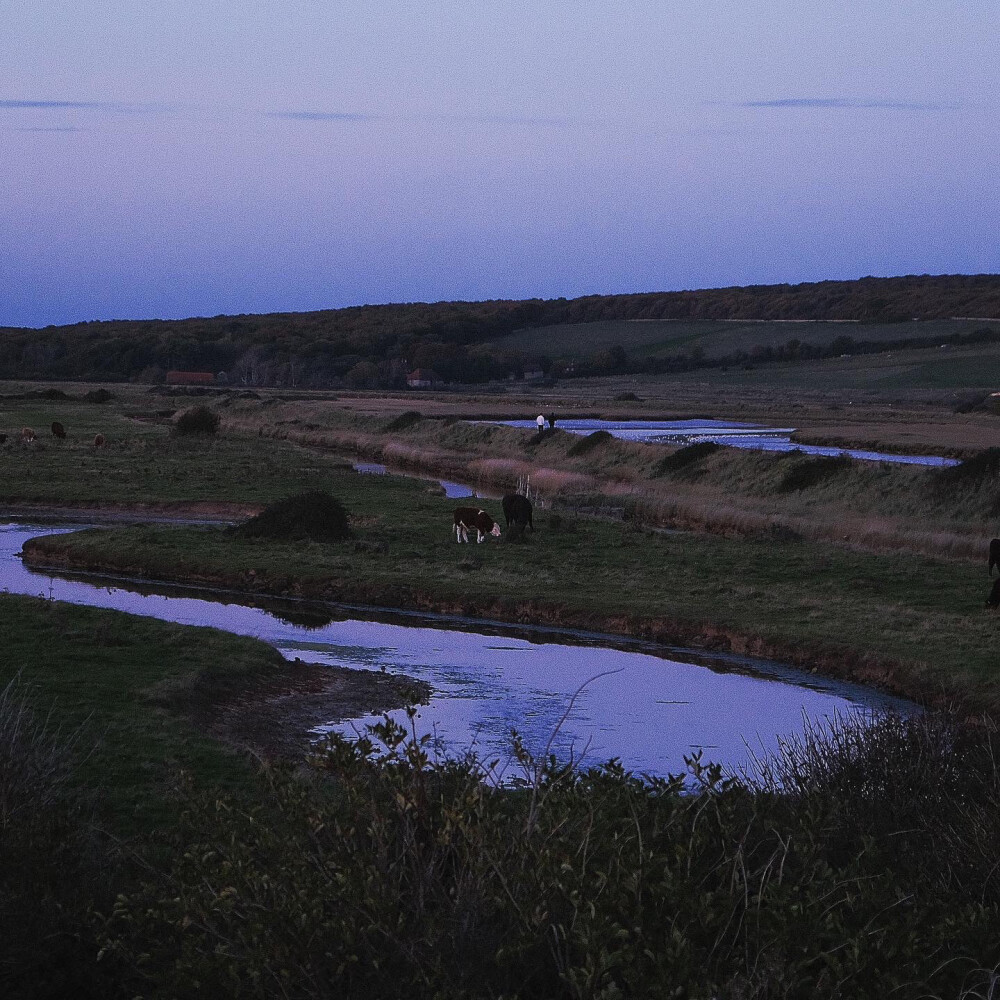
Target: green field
column 715, row 338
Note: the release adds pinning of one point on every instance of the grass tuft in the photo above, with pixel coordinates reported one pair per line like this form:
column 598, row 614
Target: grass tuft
column 808, row 472
column 589, row 443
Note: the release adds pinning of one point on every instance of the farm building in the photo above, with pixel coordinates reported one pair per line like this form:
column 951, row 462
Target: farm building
column 190, row 378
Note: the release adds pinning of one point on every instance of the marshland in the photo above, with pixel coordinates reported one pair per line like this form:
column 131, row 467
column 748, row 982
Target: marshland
column 169, row 829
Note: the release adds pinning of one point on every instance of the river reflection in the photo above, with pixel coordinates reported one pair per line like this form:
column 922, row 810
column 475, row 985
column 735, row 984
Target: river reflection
column 732, row 433
column 645, row 704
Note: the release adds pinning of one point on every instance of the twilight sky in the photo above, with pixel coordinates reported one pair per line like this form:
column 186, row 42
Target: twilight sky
column 188, row 158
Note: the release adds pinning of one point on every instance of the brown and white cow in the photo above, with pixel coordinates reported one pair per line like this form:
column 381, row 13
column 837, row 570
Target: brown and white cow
column 473, row 517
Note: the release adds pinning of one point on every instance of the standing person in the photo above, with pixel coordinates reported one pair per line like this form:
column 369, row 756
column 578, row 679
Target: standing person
column 552, row 421
column 540, row 420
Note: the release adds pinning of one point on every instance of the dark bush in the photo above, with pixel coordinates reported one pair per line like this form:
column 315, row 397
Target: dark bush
column 403, row 421
column 316, row 516
column 98, row 396
column 46, row 394
column 628, row 397
column 685, row 456
column 981, row 466
column 808, row 472
column 197, row 420
column 590, row 442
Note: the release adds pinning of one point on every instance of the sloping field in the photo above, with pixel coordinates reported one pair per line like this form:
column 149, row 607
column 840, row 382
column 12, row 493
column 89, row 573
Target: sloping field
column 716, row 338
column 970, row 367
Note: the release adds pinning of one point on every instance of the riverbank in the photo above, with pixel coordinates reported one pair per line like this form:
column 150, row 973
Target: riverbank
column 149, row 698
column 914, row 627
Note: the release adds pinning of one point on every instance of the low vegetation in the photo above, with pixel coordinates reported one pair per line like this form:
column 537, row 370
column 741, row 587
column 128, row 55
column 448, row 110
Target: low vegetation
column 858, row 862
column 314, row 516
column 197, row 420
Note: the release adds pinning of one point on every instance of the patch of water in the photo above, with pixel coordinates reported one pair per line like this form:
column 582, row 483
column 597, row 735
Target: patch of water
column 732, row 433
column 645, row 704
column 453, row 490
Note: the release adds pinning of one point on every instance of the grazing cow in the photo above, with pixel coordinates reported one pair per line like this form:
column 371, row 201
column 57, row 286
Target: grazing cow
column 98, row 440
column 27, row 434
column 993, row 601
column 994, row 555
column 473, row 517
column 58, row 430
column 517, row 510
column 3, row 438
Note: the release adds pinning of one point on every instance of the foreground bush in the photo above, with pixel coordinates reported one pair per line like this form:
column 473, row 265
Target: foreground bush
column 49, row 874
column 417, row 877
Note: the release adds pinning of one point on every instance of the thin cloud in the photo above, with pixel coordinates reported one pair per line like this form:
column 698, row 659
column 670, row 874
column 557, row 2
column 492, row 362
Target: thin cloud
column 51, row 104
column 115, row 107
column 850, row 103
column 322, row 116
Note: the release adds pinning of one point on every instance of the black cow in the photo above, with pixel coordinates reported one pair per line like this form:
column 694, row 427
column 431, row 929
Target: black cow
column 517, row 510
column 58, row 430
column 474, row 517
column 994, row 555
column 993, row 601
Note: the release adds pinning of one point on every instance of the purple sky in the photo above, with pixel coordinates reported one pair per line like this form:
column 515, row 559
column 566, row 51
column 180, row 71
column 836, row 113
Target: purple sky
column 190, row 158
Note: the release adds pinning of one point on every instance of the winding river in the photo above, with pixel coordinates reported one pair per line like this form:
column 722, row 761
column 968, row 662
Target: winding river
column 728, row 432
column 570, row 693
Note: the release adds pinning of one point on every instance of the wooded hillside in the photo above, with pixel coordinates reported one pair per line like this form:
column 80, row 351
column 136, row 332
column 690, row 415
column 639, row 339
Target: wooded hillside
column 367, row 346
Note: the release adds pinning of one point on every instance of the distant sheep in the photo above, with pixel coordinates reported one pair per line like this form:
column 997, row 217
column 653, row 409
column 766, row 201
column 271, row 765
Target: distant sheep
column 27, row 434
column 98, row 440
column 58, row 430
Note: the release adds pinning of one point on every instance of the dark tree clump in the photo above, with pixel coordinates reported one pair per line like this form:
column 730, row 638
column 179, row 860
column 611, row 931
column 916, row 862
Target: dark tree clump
column 315, row 516
column 197, row 420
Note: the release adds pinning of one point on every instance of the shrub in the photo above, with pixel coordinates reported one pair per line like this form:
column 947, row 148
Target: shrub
column 98, row 396
column 316, row 516
column 628, row 397
column 686, row 456
column 808, row 472
column 48, row 870
column 981, row 466
column 590, row 442
column 46, row 394
column 197, row 420
column 417, row 876
column 403, row 421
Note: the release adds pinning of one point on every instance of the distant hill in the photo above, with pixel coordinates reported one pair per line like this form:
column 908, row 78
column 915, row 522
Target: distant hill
column 369, row 346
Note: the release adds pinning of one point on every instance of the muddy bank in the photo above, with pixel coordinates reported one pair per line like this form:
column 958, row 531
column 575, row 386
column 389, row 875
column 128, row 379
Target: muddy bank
column 908, row 680
column 274, row 719
column 168, row 511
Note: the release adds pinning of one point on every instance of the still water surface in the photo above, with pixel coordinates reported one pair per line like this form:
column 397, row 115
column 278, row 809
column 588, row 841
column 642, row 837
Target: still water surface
column 650, row 706
column 736, row 435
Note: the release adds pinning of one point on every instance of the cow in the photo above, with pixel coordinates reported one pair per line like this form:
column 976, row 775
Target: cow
column 98, row 440
column 27, row 435
column 517, row 510
column 473, row 517
column 993, row 601
column 58, row 430
column 994, row 555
